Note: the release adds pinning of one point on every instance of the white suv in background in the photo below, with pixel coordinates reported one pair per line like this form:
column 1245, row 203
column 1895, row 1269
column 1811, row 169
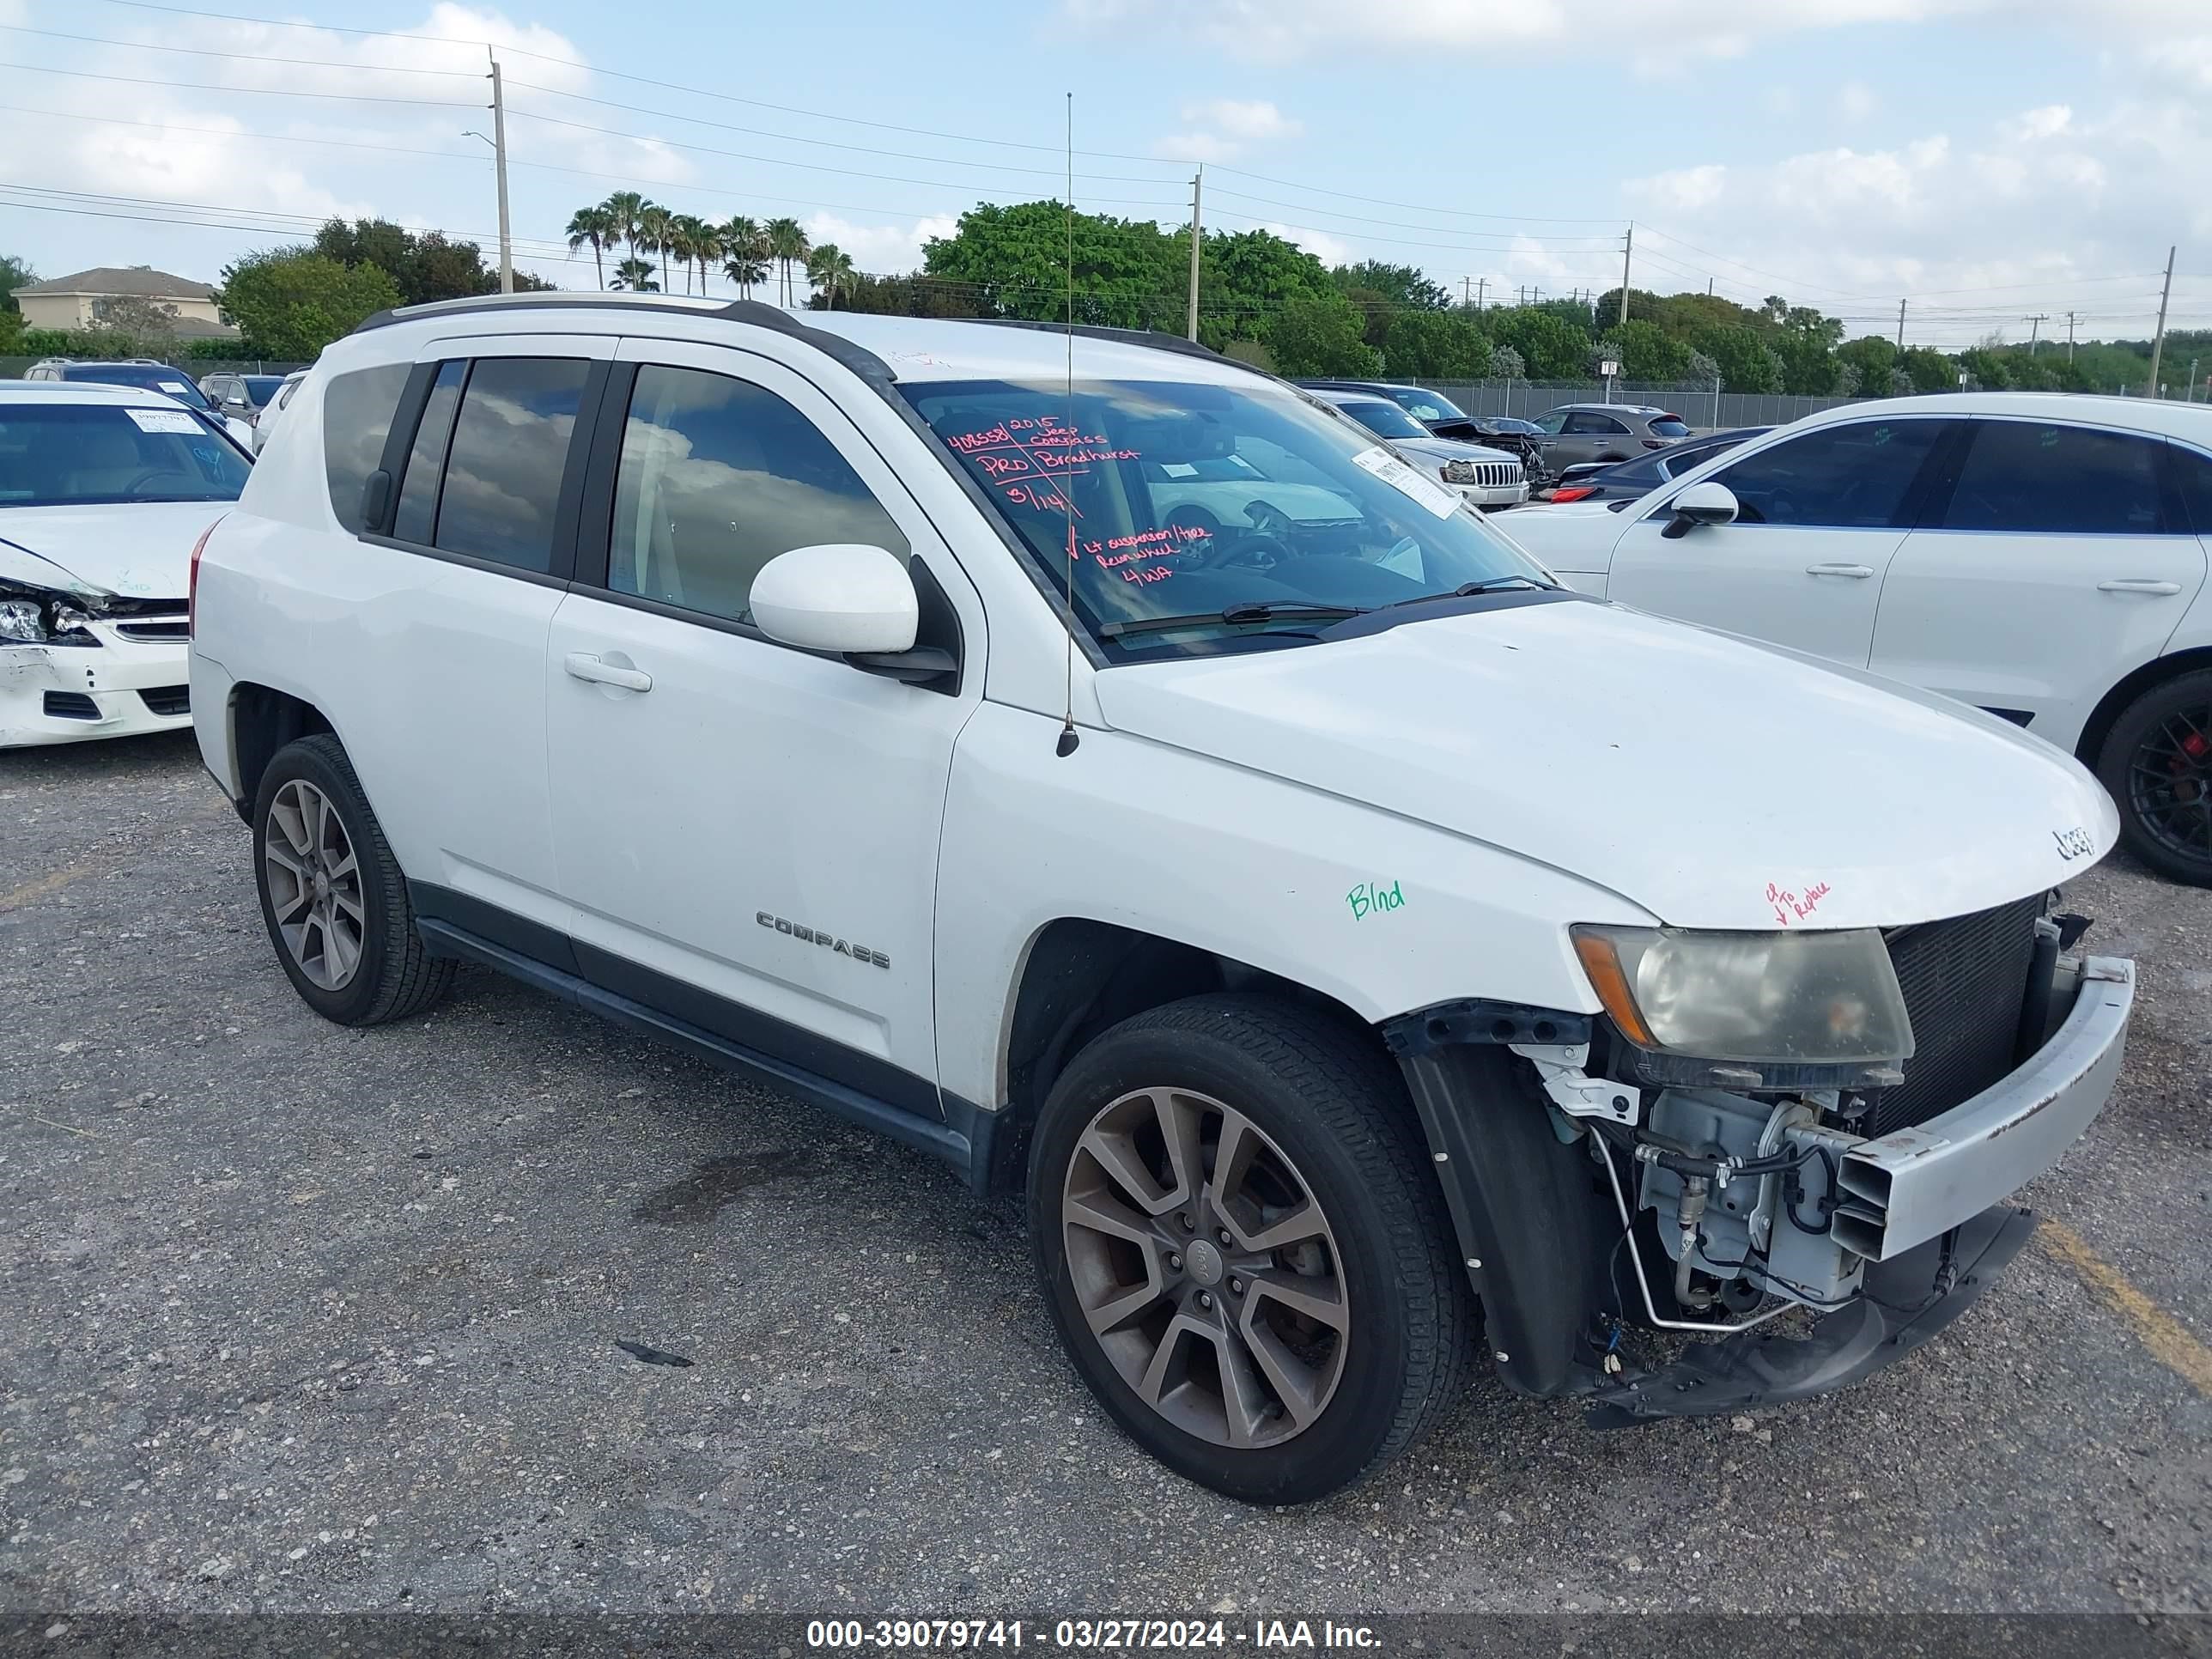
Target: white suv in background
column 2040, row 555
column 1339, row 931
column 103, row 491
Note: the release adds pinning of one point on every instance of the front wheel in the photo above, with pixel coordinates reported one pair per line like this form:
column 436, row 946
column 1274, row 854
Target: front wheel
column 2157, row 766
column 1244, row 1248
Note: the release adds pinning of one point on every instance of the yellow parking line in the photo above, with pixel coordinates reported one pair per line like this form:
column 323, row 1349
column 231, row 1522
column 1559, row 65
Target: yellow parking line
column 2168, row 1339
column 31, row 891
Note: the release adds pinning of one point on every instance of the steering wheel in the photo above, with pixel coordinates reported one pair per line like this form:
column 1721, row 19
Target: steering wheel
column 150, row 475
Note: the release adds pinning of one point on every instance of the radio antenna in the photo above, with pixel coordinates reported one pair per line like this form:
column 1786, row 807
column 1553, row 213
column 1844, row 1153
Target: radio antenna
column 1068, row 739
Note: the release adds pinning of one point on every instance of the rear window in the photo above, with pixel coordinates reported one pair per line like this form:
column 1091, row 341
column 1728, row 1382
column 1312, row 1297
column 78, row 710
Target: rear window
column 140, row 377
column 88, row 454
column 262, row 387
column 1385, row 420
column 357, row 413
column 1669, row 425
column 1427, row 405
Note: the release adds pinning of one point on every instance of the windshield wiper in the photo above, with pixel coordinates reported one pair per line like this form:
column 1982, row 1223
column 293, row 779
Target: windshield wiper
column 1468, row 590
column 1251, row 611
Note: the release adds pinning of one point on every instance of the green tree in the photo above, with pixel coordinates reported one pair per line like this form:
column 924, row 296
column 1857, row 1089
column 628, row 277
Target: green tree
column 1930, row 369
column 423, row 265
column 654, row 226
column 1322, row 334
column 829, row 267
column 1988, row 366
column 624, row 208
column 787, row 245
column 1403, row 286
column 1646, row 352
column 289, row 303
column 1872, row 358
column 1013, row 262
column 15, row 273
column 592, row 228
column 1551, row 347
column 1747, row 362
column 1439, row 345
column 636, row 276
column 744, row 253
column 1245, row 277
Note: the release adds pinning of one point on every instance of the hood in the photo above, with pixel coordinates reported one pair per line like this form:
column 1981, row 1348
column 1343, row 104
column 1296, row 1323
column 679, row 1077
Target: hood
column 1577, row 536
column 1704, row 778
column 139, row 549
column 1451, row 449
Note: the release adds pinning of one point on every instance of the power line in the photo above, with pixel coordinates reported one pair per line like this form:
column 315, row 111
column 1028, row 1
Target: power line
column 240, row 57
column 259, row 92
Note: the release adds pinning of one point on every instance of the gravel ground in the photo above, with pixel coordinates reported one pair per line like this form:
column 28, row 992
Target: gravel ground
column 311, row 1319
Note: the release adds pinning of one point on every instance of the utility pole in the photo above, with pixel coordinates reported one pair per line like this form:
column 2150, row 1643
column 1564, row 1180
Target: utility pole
column 1466, row 292
column 1197, row 235
column 2157, row 340
column 2069, row 337
column 1627, row 253
column 499, row 166
column 2189, row 396
column 1480, row 283
column 1709, row 288
column 2034, row 323
column 1900, row 328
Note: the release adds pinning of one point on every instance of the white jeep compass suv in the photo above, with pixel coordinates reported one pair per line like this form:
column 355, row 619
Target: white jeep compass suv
column 1349, row 938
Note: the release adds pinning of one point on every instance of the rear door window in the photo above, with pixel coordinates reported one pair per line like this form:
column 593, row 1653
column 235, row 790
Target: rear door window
column 1669, row 425
column 509, row 452
column 357, row 414
column 1586, row 420
column 2026, row 476
column 417, row 517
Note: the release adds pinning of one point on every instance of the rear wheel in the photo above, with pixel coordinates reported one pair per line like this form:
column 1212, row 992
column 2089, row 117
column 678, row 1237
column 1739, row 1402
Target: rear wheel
column 2157, row 766
column 1244, row 1249
column 332, row 896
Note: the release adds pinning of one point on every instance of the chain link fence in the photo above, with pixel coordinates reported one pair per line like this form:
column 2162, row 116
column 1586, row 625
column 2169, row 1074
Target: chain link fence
column 11, row 369
column 1704, row 408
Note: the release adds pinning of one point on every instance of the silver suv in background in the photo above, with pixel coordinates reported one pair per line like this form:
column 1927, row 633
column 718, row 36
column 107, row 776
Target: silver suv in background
column 1575, row 433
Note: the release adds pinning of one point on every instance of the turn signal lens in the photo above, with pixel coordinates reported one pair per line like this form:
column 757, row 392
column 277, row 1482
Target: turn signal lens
column 193, row 583
column 1601, row 962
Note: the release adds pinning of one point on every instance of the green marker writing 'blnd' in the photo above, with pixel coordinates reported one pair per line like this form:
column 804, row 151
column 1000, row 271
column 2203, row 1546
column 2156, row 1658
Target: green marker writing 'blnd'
column 1371, row 898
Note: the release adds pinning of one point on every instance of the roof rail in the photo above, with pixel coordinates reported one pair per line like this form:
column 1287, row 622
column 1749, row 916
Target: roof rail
column 1136, row 337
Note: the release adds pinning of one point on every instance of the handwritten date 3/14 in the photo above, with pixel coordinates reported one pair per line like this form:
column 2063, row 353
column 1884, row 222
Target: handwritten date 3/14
column 1789, row 907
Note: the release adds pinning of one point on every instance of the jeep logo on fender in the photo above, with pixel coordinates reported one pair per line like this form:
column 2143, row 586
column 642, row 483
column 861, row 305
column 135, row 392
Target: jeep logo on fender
column 826, row 940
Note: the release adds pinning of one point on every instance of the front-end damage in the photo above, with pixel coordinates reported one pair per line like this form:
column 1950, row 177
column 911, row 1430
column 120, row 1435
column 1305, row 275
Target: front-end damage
column 1592, row 1199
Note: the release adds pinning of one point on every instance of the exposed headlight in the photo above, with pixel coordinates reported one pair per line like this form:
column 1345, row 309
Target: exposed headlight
column 1769, row 999
column 1462, row 472
column 34, row 615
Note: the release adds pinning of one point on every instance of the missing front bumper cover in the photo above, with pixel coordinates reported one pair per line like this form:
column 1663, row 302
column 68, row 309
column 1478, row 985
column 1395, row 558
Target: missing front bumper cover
column 1902, row 1305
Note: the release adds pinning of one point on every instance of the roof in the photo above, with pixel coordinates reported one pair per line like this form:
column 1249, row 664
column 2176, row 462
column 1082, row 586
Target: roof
column 82, row 392
column 112, row 280
column 914, row 348
column 2178, row 420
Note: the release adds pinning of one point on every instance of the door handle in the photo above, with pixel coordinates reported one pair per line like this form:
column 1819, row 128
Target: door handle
column 583, row 666
column 1857, row 572
column 2137, row 584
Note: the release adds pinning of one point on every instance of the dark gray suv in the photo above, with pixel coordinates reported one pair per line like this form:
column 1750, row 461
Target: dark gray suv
column 1576, row 433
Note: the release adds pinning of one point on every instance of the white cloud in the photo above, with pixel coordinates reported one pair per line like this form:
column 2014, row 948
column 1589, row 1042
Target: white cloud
column 1329, row 250
column 879, row 250
column 1855, row 100
column 1222, row 129
column 1689, row 189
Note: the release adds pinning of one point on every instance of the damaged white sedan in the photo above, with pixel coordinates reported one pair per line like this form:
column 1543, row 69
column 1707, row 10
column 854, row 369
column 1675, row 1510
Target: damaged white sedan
column 104, row 491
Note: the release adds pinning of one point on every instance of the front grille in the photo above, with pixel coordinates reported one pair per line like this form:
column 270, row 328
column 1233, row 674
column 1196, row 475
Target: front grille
column 1498, row 475
column 1965, row 980
column 167, row 699
column 162, row 627
column 70, row 706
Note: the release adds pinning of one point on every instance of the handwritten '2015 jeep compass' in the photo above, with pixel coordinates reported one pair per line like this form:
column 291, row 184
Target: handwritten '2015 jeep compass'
column 1370, row 958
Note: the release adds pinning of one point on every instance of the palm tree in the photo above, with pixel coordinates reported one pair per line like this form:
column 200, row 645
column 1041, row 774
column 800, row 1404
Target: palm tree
column 595, row 226
column 622, row 209
column 654, row 221
column 675, row 244
column 829, row 267
column 744, row 253
column 704, row 243
column 787, row 245
column 636, row 275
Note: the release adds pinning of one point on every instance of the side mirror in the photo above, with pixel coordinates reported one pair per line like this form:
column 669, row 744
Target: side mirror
column 840, row 596
column 1701, row 503
column 234, row 402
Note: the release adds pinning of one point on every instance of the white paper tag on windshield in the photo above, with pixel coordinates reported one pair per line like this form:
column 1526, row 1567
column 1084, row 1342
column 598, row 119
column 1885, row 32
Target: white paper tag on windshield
column 164, row 420
column 177, row 387
column 1411, row 480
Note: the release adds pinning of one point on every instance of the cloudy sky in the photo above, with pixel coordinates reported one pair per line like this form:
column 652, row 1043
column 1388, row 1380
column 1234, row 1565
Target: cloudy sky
column 1987, row 160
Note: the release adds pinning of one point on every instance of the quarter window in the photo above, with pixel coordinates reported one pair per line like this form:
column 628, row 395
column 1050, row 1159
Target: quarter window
column 417, row 517
column 503, row 483
column 2194, row 473
column 1843, row 478
column 2027, row 476
column 357, row 413
column 718, row 476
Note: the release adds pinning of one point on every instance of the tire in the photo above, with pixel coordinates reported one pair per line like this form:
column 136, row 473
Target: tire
column 1329, row 1110
column 349, row 945
column 2162, row 783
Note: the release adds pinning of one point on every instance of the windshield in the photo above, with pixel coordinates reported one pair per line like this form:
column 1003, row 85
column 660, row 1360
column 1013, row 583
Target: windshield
column 1427, row 405
column 145, row 377
column 262, row 387
column 79, row 454
column 1186, row 500
column 1385, row 420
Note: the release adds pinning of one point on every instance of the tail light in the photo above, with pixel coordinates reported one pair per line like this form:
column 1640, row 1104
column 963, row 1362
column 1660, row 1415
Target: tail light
column 193, row 583
column 1655, row 443
column 1573, row 492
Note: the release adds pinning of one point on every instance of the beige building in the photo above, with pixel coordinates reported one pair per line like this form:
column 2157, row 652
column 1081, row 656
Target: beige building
column 81, row 300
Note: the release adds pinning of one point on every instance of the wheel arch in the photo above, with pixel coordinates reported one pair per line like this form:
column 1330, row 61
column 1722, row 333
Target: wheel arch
column 263, row 720
column 1080, row 975
column 2098, row 726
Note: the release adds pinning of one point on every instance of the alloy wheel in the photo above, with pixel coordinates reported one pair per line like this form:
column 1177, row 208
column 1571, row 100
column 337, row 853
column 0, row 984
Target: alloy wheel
column 314, row 885
column 1204, row 1267
column 2170, row 783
